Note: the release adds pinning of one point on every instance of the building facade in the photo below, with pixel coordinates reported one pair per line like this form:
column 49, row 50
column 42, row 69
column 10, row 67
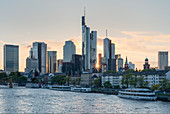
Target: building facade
column 146, row 65
column 162, row 59
column 59, row 65
column 52, row 61
column 68, row 50
column 109, row 54
column 11, row 58
column 31, row 64
column 89, row 47
column 119, row 65
column 131, row 66
column 152, row 77
column 77, row 64
column 39, row 51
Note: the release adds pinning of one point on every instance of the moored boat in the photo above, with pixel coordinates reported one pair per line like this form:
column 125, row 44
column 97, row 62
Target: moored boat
column 80, row 89
column 138, row 93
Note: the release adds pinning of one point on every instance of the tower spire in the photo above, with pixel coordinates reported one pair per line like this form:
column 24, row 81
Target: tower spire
column 84, row 11
column 106, row 33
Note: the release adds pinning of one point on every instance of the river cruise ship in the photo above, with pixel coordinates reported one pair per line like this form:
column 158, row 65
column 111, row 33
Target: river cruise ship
column 137, row 93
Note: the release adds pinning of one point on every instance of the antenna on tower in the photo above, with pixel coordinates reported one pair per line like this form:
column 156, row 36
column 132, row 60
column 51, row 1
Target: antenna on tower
column 84, row 10
column 106, row 33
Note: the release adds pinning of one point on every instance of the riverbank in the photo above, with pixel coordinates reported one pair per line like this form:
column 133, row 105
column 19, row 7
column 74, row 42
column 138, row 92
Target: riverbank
column 163, row 97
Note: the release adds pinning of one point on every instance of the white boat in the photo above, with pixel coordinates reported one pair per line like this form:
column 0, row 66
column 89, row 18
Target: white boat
column 79, row 89
column 138, row 93
column 32, row 85
column 60, row 88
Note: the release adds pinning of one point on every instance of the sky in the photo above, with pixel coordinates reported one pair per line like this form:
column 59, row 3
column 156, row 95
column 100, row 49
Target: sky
column 139, row 28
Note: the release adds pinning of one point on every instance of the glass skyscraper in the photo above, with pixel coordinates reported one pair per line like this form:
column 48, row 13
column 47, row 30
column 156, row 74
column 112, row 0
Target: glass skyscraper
column 11, row 58
column 52, row 61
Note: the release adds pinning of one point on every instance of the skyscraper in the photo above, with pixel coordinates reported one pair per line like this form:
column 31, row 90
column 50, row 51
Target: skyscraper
column 59, row 65
column 89, row 47
column 77, row 64
column 68, row 50
column 109, row 54
column 131, row 66
column 100, row 61
column 11, row 58
column 119, row 64
column 162, row 59
column 39, row 51
column 31, row 64
column 52, row 61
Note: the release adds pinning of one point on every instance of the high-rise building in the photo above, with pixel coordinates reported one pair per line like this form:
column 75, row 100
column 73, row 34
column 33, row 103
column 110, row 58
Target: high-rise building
column 39, row 51
column 11, row 58
column 77, row 64
column 131, row 66
column 162, row 59
column 89, row 47
column 67, row 68
column 119, row 64
column 109, row 53
column 68, row 50
column 52, row 61
column 31, row 65
column 117, row 56
column 146, row 65
column 59, row 65
column 100, row 61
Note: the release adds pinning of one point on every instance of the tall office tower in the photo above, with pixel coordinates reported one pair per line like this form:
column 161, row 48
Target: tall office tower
column 68, row 50
column 52, row 61
column 119, row 64
column 117, row 56
column 100, row 61
column 89, row 47
column 31, row 65
column 131, row 66
column 146, row 65
column 77, row 64
column 11, row 58
column 162, row 59
column 109, row 54
column 59, row 65
column 93, row 49
column 39, row 51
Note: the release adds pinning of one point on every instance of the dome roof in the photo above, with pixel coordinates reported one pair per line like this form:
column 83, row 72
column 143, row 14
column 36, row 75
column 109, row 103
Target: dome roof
column 146, row 59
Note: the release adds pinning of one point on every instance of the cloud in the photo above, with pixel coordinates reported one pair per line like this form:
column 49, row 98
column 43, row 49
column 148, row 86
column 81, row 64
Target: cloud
column 135, row 45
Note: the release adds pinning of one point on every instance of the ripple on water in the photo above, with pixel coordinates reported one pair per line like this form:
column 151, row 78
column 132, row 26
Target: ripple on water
column 48, row 101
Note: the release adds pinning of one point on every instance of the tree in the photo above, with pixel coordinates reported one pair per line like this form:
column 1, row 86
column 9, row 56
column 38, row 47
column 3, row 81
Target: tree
column 165, row 84
column 127, row 79
column 59, row 79
column 141, row 81
column 74, row 82
column 3, row 77
column 107, row 84
column 67, row 79
column 97, row 83
column 155, row 87
column 135, row 81
column 78, row 80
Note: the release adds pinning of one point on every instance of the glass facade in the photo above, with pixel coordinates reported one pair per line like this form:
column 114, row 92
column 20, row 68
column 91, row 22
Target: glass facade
column 11, row 58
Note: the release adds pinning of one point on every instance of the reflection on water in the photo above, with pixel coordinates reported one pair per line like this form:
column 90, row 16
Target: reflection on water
column 46, row 101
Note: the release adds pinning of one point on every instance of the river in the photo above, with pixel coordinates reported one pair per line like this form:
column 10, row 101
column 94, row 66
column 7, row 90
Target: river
column 26, row 100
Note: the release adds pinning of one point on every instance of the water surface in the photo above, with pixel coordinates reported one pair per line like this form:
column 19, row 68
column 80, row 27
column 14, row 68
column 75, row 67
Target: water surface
column 50, row 101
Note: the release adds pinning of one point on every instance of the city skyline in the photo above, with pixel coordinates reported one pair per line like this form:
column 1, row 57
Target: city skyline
column 150, row 33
